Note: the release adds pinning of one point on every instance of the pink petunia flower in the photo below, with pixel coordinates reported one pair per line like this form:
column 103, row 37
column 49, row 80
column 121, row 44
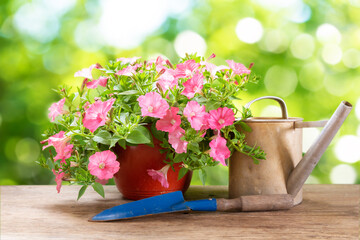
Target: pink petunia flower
column 220, row 118
column 179, row 145
column 153, row 105
column 196, row 115
column 238, row 68
column 160, row 61
column 86, row 72
column 186, row 69
column 167, row 80
column 61, row 144
column 96, row 114
column 160, row 175
column 127, row 60
column 56, row 109
column 212, row 68
column 101, row 81
column 103, row 165
column 58, row 179
column 170, row 121
column 218, row 150
column 128, row 71
column 193, row 85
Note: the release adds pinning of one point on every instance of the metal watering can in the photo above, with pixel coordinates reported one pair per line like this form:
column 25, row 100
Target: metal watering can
column 285, row 170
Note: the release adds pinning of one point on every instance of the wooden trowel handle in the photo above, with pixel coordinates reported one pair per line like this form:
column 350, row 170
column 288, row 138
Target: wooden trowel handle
column 256, row 203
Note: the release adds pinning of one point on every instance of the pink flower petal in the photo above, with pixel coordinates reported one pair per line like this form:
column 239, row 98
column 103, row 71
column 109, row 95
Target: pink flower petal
column 96, row 114
column 56, row 109
column 218, row 150
column 102, row 81
column 103, row 165
column 220, row 118
column 153, row 105
column 170, row 121
column 127, row 60
column 186, row 69
column 160, row 175
column 238, row 68
column 179, row 145
column 196, row 115
column 86, row 72
column 58, row 179
column 193, row 85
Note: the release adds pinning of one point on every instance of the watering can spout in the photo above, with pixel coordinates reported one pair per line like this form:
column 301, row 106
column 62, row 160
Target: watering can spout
column 304, row 168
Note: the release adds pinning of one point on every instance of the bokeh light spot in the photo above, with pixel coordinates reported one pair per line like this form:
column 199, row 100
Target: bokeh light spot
column 327, row 33
column 189, row 42
column 249, row 30
column 357, row 108
column 280, row 81
column 343, row 174
column 302, row 46
column 27, row 150
column 331, row 54
column 346, row 149
column 312, row 76
column 312, row 180
column 299, row 12
column 271, row 111
column 275, row 41
column 351, row 58
column 309, row 137
column 337, row 84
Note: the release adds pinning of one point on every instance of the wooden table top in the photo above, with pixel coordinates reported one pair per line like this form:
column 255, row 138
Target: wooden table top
column 38, row 212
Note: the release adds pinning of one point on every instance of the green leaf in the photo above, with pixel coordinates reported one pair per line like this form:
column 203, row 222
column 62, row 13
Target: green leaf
column 129, row 92
column 182, row 173
column 99, row 189
column 211, row 105
column 140, row 135
column 82, row 191
column 193, row 146
column 122, row 143
column 113, row 141
column 202, row 176
column 180, row 157
column 103, row 137
column 245, row 126
column 156, row 133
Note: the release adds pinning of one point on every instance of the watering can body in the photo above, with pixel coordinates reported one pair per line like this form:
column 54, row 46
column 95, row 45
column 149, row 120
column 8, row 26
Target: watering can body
column 281, row 140
column 282, row 143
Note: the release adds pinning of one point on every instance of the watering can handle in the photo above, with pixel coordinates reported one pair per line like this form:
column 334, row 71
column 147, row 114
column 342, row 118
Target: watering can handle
column 279, row 100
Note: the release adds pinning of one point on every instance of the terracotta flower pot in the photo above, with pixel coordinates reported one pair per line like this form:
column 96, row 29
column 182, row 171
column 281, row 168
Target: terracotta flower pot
column 133, row 181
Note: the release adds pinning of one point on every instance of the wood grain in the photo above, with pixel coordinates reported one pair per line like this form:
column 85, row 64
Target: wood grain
column 38, row 212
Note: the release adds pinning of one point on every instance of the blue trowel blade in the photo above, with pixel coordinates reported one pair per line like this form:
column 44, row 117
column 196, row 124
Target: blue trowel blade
column 170, row 202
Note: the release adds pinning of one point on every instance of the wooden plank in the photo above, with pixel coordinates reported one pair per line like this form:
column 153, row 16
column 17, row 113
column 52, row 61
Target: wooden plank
column 38, row 212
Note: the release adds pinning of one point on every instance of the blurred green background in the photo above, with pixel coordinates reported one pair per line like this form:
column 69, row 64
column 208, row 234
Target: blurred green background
column 307, row 52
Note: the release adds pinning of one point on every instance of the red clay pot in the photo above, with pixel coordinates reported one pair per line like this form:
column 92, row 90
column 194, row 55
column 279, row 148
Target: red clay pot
column 133, row 181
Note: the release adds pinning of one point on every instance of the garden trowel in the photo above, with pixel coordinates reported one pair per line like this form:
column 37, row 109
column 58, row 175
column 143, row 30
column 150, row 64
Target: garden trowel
column 174, row 202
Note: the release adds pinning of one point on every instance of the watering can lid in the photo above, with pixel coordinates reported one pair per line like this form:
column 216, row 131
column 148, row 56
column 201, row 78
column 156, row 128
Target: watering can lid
column 284, row 112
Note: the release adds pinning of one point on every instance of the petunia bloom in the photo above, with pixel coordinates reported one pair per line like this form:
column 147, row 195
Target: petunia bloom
column 167, row 79
column 128, row 71
column 196, row 115
column 96, row 114
column 86, row 72
column 238, row 68
column 170, row 121
column 160, row 175
column 153, row 105
column 220, row 118
column 213, row 69
column 186, row 69
column 193, row 85
column 61, row 144
column 103, row 165
column 179, row 145
column 58, row 179
column 56, row 109
column 127, row 60
column 218, row 150
column 101, row 81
